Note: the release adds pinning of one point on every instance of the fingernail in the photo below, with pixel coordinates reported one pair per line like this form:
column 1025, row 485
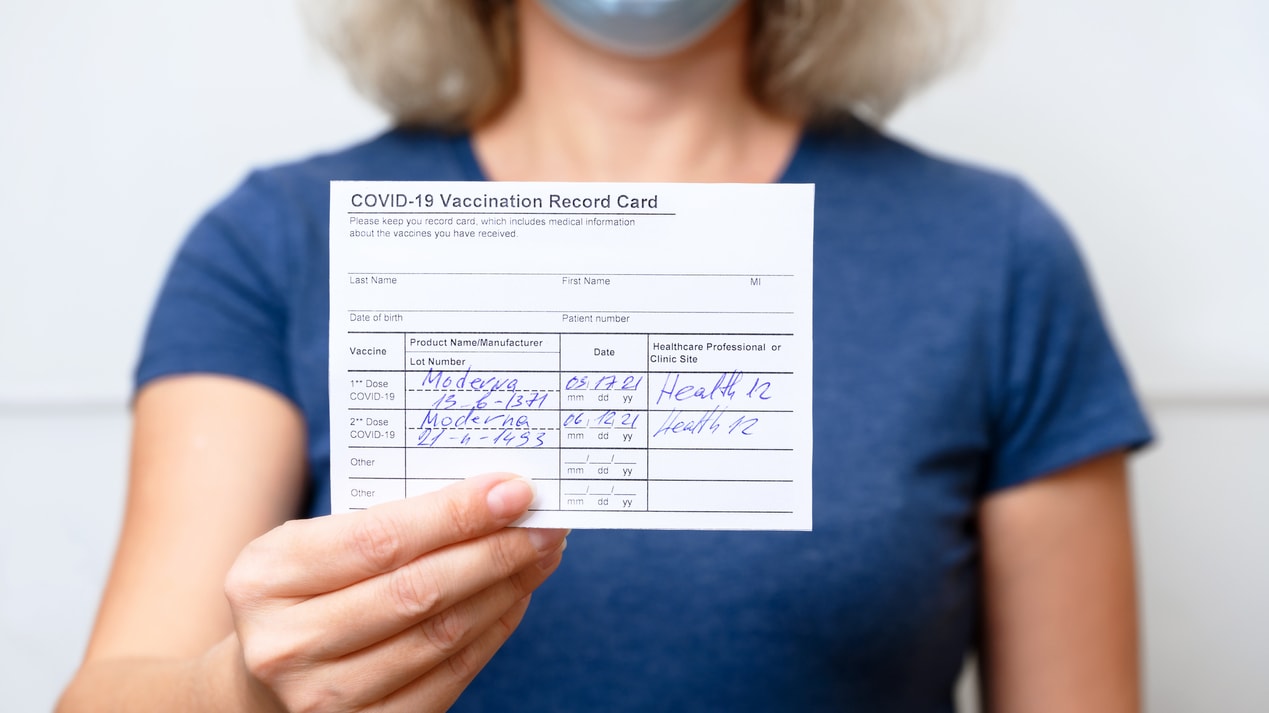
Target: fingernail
column 549, row 561
column 510, row 498
column 546, row 541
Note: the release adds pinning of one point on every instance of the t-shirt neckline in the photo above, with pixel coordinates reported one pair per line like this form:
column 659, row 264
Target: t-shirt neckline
column 465, row 154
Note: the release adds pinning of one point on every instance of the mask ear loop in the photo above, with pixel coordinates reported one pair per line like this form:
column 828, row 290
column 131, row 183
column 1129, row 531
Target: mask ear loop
column 501, row 24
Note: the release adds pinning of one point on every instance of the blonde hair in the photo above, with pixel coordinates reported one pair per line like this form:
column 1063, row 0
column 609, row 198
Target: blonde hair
column 449, row 63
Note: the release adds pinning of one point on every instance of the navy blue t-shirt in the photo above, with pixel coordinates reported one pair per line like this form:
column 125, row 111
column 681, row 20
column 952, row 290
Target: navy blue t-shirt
column 958, row 351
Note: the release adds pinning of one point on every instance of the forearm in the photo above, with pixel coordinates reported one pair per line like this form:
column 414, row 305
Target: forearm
column 215, row 682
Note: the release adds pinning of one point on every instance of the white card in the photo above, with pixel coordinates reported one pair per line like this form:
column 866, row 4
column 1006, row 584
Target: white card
column 641, row 351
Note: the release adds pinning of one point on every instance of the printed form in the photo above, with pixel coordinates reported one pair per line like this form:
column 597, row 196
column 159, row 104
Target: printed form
column 641, row 351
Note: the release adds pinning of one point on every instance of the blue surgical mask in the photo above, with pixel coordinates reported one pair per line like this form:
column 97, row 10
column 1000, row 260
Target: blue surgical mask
column 640, row 28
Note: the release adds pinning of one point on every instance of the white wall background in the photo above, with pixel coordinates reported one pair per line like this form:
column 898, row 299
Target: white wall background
column 1145, row 123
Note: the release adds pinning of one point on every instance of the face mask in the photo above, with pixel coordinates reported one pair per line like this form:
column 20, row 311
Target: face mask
column 640, row 28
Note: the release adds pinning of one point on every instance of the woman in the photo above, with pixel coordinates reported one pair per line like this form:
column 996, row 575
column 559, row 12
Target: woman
column 971, row 417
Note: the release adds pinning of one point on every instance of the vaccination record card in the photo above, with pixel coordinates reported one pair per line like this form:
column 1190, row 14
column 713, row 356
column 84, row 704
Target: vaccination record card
column 641, row 351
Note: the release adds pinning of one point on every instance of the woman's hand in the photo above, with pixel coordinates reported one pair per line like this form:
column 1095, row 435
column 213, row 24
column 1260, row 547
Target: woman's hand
column 392, row 608
column 395, row 608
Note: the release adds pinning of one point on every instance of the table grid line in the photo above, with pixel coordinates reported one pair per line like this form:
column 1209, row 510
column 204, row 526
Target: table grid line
column 591, row 394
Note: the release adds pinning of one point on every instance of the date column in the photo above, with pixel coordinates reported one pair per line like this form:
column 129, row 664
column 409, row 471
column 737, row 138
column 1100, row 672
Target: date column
column 603, row 422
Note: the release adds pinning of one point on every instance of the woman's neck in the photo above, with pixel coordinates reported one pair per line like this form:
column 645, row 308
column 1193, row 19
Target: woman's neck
column 582, row 114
